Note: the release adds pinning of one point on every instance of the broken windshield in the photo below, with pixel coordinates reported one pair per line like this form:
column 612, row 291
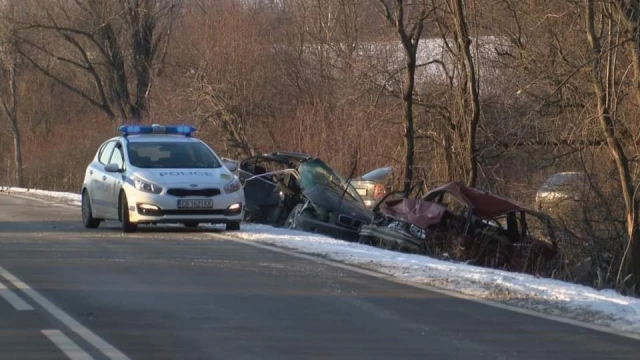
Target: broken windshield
column 315, row 172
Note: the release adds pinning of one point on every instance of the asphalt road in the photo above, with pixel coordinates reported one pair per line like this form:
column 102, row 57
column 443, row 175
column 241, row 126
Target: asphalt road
column 178, row 294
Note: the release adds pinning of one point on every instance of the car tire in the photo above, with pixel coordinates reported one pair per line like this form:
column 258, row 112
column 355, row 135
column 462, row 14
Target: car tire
column 88, row 220
column 366, row 240
column 233, row 226
column 191, row 224
column 292, row 219
column 127, row 225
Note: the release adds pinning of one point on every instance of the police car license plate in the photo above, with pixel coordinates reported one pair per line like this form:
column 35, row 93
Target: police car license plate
column 362, row 191
column 195, row 204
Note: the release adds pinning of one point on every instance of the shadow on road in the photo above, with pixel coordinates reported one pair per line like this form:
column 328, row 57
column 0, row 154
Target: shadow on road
column 114, row 227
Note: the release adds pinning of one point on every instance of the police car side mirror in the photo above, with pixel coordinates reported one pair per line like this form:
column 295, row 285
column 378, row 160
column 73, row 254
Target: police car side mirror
column 112, row 168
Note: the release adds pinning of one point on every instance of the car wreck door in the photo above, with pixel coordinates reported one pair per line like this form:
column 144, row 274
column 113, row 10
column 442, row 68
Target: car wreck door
column 262, row 197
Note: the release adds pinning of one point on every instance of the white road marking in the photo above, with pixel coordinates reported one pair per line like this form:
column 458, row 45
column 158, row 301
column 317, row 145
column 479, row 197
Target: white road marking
column 14, row 299
column 70, row 322
column 62, row 341
column 454, row 294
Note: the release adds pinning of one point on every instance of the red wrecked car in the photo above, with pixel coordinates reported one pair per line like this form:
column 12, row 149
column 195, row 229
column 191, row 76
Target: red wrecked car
column 462, row 223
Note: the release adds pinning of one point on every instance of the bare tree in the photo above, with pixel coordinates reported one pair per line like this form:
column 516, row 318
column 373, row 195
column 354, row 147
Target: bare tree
column 408, row 21
column 614, row 143
column 231, row 75
column 458, row 107
column 8, row 92
column 103, row 51
column 469, row 86
column 216, row 106
column 630, row 11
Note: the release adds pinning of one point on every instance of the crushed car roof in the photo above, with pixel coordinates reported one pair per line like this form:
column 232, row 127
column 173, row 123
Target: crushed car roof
column 484, row 204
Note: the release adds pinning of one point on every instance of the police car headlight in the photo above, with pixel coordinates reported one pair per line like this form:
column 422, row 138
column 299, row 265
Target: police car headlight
column 233, row 186
column 147, row 186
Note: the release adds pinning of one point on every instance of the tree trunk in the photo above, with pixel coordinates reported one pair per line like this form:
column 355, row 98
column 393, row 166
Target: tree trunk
column 10, row 105
column 631, row 12
column 12, row 114
column 615, row 148
column 409, row 135
column 17, row 152
column 633, row 258
column 142, row 37
column 409, row 34
column 116, row 75
column 473, row 98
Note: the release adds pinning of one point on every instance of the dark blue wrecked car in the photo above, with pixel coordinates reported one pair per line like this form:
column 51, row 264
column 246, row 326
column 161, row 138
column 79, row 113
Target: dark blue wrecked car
column 301, row 192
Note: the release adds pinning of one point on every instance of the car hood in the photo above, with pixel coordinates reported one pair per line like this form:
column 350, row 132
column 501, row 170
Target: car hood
column 328, row 199
column 216, row 176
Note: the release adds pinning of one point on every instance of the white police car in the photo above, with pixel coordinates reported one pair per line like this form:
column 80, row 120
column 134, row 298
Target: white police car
column 160, row 174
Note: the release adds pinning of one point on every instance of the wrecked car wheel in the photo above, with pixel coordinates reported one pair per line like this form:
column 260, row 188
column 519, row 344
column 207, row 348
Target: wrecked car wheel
column 366, row 240
column 292, row 219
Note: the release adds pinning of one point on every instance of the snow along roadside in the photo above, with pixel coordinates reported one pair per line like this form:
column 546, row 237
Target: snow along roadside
column 601, row 307
column 64, row 197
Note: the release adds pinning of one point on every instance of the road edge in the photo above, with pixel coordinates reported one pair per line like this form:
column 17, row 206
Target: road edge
column 457, row 295
column 383, row 276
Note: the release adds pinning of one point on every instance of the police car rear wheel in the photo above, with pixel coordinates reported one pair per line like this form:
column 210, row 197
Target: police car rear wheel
column 233, row 226
column 127, row 225
column 87, row 215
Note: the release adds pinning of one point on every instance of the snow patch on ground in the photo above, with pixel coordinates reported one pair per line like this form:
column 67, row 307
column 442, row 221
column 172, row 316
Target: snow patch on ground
column 601, row 307
column 69, row 198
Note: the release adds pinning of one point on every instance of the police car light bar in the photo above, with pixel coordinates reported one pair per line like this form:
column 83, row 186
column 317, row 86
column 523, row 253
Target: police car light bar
column 185, row 130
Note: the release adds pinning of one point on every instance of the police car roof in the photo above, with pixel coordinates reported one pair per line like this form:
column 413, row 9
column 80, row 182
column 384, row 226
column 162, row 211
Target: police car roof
column 160, row 138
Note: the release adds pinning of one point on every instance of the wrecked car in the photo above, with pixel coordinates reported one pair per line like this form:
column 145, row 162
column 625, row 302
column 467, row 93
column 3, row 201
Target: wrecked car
column 466, row 224
column 301, row 192
column 373, row 186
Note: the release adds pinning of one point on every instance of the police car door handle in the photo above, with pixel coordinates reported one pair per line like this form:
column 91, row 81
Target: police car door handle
column 90, row 172
column 104, row 177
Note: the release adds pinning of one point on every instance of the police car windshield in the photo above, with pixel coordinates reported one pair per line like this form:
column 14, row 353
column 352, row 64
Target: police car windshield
column 171, row 155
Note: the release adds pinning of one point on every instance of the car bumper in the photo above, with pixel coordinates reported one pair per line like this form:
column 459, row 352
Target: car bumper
column 142, row 209
column 392, row 236
column 308, row 224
